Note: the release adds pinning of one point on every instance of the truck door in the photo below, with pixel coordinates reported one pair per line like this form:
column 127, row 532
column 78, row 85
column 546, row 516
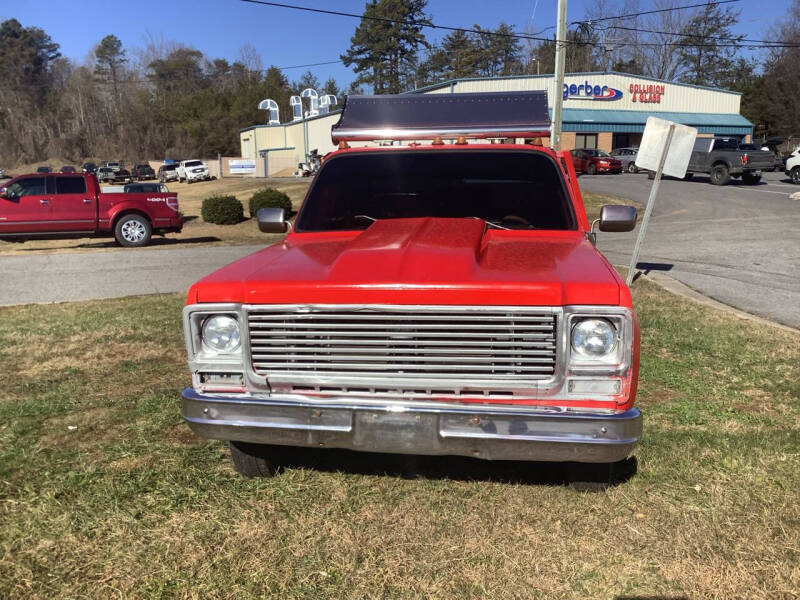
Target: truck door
column 25, row 208
column 73, row 207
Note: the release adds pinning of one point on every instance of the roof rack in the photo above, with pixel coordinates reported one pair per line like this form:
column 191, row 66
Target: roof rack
column 447, row 116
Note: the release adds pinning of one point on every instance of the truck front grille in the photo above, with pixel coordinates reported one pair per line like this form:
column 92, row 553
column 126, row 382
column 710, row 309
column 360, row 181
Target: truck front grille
column 455, row 347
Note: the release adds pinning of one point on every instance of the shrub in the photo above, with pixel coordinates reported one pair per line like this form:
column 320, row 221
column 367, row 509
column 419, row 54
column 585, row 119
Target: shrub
column 222, row 210
column 269, row 197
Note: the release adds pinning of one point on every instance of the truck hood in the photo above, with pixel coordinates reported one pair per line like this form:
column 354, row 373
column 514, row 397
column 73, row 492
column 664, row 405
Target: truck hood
column 421, row 261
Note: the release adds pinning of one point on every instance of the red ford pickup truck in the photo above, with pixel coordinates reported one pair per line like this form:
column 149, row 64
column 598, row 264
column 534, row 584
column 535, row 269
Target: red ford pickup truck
column 439, row 299
column 72, row 205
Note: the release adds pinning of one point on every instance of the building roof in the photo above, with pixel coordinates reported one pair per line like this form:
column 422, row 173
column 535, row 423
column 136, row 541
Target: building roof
column 630, row 121
column 450, row 82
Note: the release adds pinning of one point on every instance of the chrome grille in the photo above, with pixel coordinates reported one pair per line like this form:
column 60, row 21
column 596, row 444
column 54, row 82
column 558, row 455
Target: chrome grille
column 452, row 345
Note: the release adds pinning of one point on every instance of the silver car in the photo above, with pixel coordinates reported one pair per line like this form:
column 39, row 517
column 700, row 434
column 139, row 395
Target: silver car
column 627, row 156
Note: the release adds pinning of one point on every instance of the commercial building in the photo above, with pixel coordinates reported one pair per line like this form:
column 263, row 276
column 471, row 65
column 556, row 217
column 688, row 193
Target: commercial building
column 601, row 110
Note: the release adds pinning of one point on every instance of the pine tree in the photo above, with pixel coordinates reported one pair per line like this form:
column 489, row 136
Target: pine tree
column 384, row 51
column 707, row 52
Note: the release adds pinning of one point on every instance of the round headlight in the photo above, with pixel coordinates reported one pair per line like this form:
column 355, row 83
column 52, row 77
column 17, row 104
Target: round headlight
column 221, row 334
column 593, row 338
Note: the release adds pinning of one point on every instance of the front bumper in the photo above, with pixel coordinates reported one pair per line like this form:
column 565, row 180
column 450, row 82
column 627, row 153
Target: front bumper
column 494, row 433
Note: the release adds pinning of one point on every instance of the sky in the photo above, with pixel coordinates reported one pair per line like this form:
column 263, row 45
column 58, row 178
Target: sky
column 285, row 37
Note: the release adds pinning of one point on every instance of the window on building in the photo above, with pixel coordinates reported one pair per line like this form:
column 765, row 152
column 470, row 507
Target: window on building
column 586, row 140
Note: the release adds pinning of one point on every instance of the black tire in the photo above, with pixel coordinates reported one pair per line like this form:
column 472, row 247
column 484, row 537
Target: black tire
column 632, row 167
column 688, row 176
column 720, row 175
column 591, row 169
column 133, row 231
column 795, row 175
column 651, row 174
column 749, row 179
column 254, row 460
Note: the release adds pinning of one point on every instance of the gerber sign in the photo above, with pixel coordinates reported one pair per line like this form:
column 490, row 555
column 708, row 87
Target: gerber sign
column 588, row 91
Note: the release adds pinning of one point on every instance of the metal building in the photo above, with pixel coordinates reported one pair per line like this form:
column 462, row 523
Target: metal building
column 601, row 110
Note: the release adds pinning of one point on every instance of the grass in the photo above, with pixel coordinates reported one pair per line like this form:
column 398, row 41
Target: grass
column 104, row 493
column 594, row 202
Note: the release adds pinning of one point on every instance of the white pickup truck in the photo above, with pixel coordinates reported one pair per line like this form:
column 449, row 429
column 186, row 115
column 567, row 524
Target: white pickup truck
column 793, row 165
column 193, row 170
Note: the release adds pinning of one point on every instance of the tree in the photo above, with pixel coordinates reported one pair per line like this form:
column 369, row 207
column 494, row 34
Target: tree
column 708, row 46
column 331, row 87
column 385, row 45
column 110, row 60
column 307, row 80
column 779, row 95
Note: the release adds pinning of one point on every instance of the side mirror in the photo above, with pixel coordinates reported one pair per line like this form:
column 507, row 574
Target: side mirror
column 614, row 217
column 271, row 220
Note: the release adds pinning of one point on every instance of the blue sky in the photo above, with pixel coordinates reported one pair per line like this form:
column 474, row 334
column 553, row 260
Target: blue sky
column 286, row 37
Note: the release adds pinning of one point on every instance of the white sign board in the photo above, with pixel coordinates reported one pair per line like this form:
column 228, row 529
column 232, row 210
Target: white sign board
column 652, row 146
column 240, row 166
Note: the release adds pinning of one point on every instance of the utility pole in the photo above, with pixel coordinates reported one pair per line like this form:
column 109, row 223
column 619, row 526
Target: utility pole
column 558, row 80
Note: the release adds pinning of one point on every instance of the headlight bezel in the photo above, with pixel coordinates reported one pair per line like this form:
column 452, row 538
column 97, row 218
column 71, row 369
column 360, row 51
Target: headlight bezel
column 618, row 360
column 199, row 353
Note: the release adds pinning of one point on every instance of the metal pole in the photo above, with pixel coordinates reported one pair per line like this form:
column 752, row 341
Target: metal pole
column 558, row 80
column 649, row 208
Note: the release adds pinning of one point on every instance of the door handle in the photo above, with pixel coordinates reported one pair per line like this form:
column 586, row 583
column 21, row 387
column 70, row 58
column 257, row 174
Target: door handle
column 87, row 200
column 44, row 201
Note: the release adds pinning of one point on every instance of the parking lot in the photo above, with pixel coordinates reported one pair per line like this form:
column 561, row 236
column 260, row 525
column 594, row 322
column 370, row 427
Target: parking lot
column 738, row 244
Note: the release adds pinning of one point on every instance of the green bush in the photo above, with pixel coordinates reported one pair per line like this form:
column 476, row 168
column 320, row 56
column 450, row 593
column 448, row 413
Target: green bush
column 222, row 210
column 269, row 197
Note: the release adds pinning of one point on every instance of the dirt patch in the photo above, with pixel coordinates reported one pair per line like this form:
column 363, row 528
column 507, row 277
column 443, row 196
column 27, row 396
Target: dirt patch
column 79, row 429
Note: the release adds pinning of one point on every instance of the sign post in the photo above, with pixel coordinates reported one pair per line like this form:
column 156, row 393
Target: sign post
column 666, row 149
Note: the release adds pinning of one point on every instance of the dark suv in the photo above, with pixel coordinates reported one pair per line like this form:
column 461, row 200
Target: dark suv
column 142, row 172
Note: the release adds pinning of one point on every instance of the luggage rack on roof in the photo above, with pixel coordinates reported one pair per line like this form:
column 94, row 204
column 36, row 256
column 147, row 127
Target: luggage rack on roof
column 446, row 116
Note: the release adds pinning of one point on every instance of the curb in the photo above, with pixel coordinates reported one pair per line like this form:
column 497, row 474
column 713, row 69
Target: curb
column 680, row 289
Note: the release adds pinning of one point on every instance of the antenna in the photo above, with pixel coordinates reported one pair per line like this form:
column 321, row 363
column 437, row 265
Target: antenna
column 312, row 94
column 326, row 102
column 272, row 107
column 297, row 108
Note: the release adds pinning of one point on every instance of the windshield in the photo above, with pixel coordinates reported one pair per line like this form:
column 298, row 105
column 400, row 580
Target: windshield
column 169, row 167
column 193, row 163
column 508, row 189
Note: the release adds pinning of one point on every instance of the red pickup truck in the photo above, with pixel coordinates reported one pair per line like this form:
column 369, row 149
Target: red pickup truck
column 72, row 205
column 429, row 299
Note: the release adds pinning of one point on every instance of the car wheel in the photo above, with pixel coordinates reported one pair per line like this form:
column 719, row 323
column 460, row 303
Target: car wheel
column 651, row 174
column 688, row 176
column 795, row 175
column 719, row 175
column 591, row 169
column 749, row 179
column 133, row 231
column 632, row 167
column 254, row 460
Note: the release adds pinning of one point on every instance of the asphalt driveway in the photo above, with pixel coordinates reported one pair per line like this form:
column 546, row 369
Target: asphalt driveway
column 738, row 244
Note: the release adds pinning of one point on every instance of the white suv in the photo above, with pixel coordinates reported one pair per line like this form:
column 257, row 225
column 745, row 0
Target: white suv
column 793, row 165
column 193, row 170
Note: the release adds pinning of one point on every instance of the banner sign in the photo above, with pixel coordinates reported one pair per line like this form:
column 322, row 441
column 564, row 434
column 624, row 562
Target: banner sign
column 242, row 166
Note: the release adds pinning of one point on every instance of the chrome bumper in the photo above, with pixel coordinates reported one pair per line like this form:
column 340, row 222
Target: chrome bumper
column 494, row 433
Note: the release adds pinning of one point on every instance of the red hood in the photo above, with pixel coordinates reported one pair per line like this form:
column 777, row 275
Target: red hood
column 420, row 261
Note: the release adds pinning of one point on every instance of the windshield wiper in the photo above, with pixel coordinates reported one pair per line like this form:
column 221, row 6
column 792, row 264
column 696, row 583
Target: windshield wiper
column 494, row 224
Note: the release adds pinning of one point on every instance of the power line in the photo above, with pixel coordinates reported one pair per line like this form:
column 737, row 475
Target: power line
column 652, row 12
column 710, row 37
column 520, row 36
column 330, row 62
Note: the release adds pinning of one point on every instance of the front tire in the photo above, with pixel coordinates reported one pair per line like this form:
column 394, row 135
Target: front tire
column 254, row 460
column 632, row 167
column 719, row 175
column 795, row 174
column 591, row 170
column 133, row 231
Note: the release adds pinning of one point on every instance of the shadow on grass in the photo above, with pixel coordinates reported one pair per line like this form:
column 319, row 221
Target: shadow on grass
column 582, row 476
column 156, row 241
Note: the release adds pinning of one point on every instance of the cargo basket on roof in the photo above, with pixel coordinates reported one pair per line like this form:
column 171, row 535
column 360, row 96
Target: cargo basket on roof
column 447, row 116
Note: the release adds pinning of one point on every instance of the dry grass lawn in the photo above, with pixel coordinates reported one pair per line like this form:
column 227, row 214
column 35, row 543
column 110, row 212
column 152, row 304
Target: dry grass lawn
column 104, row 493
